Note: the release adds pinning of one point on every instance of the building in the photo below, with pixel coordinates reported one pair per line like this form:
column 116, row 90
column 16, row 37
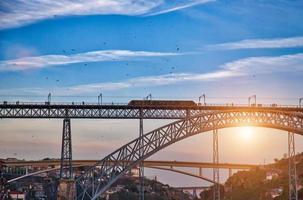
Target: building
column 275, row 192
column 270, row 175
column 2, row 165
column 15, row 195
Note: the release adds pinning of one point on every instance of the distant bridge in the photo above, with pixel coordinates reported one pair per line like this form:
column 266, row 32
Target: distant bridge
column 195, row 190
column 192, row 187
column 54, row 165
column 147, row 163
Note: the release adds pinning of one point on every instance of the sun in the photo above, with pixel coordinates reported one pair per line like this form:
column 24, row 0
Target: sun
column 246, row 132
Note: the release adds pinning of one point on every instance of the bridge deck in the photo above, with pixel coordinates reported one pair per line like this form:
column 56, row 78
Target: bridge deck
column 70, row 110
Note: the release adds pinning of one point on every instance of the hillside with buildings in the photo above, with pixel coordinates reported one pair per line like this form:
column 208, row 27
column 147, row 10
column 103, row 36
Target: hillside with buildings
column 269, row 182
column 127, row 188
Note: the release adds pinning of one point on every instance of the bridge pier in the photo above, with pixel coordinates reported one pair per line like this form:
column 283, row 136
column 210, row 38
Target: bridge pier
column 3, row 183
column 216, row 172
column 200, row 171
column 66, row 190
column 67, row 187
column 230, row 172
column 141, row 166
column 195, row 193
column 293, row 194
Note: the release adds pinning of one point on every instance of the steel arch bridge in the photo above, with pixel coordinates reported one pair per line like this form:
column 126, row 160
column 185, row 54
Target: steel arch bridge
column 101, row 176
column 200, row 176
column 151, row 164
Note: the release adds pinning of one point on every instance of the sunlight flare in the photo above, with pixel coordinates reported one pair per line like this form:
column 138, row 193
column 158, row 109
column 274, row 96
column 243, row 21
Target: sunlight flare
column 246, row 132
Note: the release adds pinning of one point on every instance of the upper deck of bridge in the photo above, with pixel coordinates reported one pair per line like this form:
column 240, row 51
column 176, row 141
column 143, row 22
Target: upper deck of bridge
column 197, row 106
column 151, row 109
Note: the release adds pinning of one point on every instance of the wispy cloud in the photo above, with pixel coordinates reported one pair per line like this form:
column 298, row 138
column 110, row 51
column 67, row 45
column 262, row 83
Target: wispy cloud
column 266, row 64
column 260, row 43
column 37, row 62
column 241, row 67
column 14, row 13
column 21, row 12
column 237, row 68
column 144, row 81
column 179, row 7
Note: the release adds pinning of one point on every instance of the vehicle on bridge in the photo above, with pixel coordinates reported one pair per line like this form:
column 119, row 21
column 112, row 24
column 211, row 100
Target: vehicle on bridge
column 166, row 103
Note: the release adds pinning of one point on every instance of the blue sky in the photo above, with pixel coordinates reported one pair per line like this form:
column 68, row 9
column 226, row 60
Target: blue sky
column 159, row 47
column 125, row 48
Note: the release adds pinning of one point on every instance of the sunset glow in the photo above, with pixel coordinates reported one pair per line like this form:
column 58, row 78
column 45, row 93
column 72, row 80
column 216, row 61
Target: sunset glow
column 246, row 132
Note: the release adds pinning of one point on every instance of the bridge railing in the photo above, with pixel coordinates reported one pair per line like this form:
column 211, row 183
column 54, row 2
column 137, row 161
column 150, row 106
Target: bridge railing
column 125, row 104
column 58, row 103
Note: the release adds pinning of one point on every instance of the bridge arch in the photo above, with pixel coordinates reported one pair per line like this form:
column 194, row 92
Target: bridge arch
column 101, row 176
column 184, row 173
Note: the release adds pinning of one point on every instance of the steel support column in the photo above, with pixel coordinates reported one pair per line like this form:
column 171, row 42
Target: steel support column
column 66, row 187
column 200, row 171
column 66, row 151
column 293, row 194
column 141, row 167
column 216, row 172
column 3, row 184
column 195, row 193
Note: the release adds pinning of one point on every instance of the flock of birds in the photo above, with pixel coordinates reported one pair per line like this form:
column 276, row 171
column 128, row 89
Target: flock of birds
column 167, row 60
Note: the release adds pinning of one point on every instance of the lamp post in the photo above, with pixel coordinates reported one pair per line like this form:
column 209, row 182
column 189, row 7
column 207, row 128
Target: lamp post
column 253, row 97
column 204, row 101
column 49, row 97
column 148, row 97
column 100, row 99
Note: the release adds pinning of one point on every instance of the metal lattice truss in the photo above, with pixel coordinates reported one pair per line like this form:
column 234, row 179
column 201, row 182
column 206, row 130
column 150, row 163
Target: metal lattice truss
column 115, row 112
column 216, row 171
column 100, row 177
column 293, row 194
column 66, row 151
column 119, row 112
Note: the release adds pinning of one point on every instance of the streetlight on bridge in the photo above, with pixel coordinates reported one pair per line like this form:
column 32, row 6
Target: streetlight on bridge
column 202, row 97
column 49, row 97
column 254, row 98
column 148, row 97
column 100, row 99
